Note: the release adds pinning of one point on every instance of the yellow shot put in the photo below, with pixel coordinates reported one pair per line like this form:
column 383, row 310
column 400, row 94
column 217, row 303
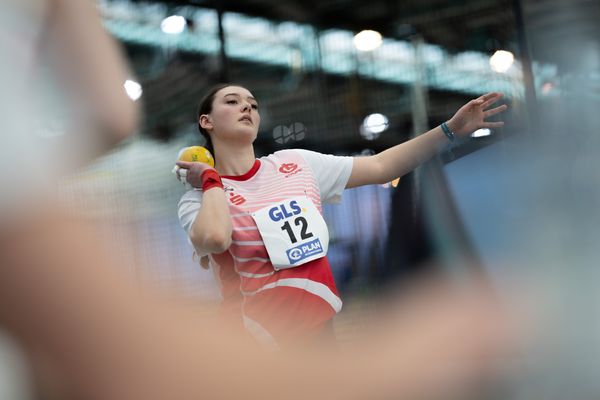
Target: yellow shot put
column 197, row 154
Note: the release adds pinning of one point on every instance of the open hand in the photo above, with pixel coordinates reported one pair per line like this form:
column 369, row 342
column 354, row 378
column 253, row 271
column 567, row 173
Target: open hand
column 472, row 115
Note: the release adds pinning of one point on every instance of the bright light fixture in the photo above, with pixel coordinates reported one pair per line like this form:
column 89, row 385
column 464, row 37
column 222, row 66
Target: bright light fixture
column 367, row 40
column 174, row 24
column 481, row 133
column 133, row 89
column 501, row 61
column 373, row 125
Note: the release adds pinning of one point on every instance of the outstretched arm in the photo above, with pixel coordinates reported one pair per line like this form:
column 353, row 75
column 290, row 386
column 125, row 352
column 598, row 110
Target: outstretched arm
column 403, row 158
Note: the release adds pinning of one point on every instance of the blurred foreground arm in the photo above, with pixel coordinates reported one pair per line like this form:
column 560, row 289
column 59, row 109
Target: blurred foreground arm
column 62, row 295
column 89, row 65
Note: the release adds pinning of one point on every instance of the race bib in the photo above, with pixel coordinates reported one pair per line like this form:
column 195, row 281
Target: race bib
column 293, row 231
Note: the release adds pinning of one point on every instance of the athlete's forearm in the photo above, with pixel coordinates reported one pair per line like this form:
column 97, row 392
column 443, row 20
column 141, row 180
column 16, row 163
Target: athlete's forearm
column 403, row 158
column 396, row 161
column 211, row 230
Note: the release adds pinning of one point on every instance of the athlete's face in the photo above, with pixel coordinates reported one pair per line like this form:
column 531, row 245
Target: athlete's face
column 234, row 114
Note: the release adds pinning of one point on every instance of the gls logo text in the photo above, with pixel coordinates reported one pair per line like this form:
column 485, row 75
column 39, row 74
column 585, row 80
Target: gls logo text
column 284, row 211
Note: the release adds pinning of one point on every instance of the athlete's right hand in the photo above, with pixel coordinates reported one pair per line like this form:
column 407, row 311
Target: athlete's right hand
column 192, row 172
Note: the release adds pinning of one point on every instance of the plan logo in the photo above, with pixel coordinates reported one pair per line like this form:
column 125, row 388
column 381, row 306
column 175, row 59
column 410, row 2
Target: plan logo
column 303, row 251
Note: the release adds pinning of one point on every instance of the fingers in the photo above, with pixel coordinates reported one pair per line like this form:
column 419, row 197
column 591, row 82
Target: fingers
column 182, row 174
column 191, row 172
column 490, row 95
column 498, row 124
column 490, row 98
column 495, row 111
column 184, row 164
column 180, row 171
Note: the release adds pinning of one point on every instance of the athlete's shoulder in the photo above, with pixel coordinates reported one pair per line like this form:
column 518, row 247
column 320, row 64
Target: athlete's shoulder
column 295, row 154
column 284, row 153
column 191, row 196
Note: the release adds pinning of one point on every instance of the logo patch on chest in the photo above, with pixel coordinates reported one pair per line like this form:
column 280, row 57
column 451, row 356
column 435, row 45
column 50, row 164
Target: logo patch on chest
column 289, row 169
column 305, row 250
column 236, row 199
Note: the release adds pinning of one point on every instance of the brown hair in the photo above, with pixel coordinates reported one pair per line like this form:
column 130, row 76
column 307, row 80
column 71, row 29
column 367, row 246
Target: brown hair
column 206, row 105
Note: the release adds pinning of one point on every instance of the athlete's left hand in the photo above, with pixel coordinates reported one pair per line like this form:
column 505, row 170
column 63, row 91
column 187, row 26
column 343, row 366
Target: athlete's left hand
column 472, row 115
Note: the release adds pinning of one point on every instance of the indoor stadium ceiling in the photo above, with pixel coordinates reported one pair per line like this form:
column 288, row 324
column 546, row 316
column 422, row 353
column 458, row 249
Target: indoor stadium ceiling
column 480, row 25
column 174, row 81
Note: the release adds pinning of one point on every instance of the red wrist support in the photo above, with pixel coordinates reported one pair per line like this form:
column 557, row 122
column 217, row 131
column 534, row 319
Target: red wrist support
column 211, row 179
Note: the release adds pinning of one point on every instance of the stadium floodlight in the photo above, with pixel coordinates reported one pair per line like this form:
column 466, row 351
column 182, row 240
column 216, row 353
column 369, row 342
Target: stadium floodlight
column 367, row 40
column 373, row 125
column 134, row 90
column 501, row 61
column 174, row 24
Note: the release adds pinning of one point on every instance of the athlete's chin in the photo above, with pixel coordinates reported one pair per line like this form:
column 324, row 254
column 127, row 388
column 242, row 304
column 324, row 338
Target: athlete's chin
column 249, row 132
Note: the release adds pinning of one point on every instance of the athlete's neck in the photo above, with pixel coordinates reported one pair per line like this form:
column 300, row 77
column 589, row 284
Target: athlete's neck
column 234, row 161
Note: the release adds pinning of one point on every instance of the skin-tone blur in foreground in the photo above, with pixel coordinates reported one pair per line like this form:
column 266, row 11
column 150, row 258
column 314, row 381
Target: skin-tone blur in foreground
column 106, row 340
column 89, row 332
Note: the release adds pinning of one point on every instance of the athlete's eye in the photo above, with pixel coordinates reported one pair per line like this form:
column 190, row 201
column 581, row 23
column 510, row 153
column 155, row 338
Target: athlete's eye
column 255, row 106
column 231, row 101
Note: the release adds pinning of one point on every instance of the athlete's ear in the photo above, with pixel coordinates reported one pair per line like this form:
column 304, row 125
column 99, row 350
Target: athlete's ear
column 205, row 122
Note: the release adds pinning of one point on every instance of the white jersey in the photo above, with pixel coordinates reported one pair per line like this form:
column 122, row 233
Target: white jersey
column 287, row 301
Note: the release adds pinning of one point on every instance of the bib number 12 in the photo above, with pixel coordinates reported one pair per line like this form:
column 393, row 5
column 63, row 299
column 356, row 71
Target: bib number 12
column 304, row 234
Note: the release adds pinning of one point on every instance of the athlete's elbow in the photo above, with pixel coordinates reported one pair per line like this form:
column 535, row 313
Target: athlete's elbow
column 218, row 243
column 213, row 242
